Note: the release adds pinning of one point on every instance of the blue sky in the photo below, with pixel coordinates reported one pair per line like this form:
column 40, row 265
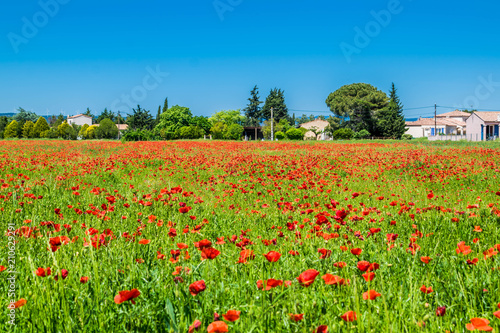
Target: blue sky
column 98, row 54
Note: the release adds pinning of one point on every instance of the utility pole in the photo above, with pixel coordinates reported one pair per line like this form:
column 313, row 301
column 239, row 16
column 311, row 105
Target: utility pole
column 435, row 119
column 272, row 125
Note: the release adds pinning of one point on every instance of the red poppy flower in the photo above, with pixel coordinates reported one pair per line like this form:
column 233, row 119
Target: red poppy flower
column 271, row 283
column 203, row 244
column 272, row 256
column 480, row 324
column 84, row 279
column 368, row 276
column 333, row 280
column 371, row 295
column 441, row 311
column 182, row 246
column 296, row 317
column 473, row 261
column 43, row 272
column 356, row 251
column 144, row 241
column 294, row 253
column 307, row 278
column 232, row 315
column 366, row 266
column 325, row 253
column 64, row 274
column 196, row 325
column 340, row 264
column 217, row 327
column 2, row 268
column 425, row 260
column 209, row 253
column 426, row 290
column 462, row 248
column 497, row 314
column 127, row 295
column 197, row 287
column 322, row 329
column 18, row 304
column 349, row 316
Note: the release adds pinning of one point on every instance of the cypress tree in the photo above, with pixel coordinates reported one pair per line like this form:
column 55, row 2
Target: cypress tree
column 253, row 110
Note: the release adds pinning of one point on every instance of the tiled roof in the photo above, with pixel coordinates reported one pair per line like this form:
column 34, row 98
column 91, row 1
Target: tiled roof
column 318, row 123
column 438, row 121
column 455, row 114
column 78, row 115
column 488, row 115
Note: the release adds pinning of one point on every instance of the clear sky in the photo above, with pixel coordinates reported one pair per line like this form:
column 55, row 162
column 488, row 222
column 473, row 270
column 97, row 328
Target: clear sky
column 67, row 55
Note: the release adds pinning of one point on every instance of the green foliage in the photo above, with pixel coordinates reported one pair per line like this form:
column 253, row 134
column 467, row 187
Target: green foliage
column 189, row 132
column 165, row 105
column 406, row 137
column 275, row 100
column 228, row 117
column 138, row 135
column 174, row 118
column 253, row 109
column 40, row 126
column 119, row 119
column 107, row 130
column 316, row 131
column 28, row 128
column 233, row 132
column 363, row 134
column 56, row 121
column 90, row 133
column 51, row 133
column 83, row 131
column 106, row 115
column 23, row 116
column 391, row 120
column 343, row 134
column 140, row 119
column 66, row 131
column 280, row 135
column 11, row 131
column 88, row 113
column 295, row 134
column 202, row 122
column 218, row 130
column 357, row 106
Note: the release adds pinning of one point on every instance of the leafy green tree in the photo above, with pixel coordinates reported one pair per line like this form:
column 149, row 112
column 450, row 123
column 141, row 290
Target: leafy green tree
column 89, row 113
column 165, row 105
column 253, row 109
column 295, row 134
column 90, row 133
column 282, row 126
column 343, row 134
column 83, row 131
column 233, row 132
column 275, row 100
column 107, row 130
column 218, row 130
column 140, row 119
column 106, row 115
column 66, row 131
column 58, row 121
column 4, row 121
column 202, row 122
column 28, row 129
column 11, row 130
column 333, row 125
column 228, row 117
column 357, row 106
column 119, row 119
column 302, row 120
column 40, row 126
column 280, row 135
column 363, row 134
column 391, row 120
column 189, row 132
column 23, row 116
column 174, row 118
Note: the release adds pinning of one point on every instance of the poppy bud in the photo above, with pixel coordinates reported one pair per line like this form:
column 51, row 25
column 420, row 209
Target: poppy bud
column 441, row 311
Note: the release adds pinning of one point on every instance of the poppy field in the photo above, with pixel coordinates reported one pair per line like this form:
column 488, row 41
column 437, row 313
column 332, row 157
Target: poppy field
column 207, row 236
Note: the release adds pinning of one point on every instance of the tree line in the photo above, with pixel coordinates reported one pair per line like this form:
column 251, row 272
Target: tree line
column 358, row 110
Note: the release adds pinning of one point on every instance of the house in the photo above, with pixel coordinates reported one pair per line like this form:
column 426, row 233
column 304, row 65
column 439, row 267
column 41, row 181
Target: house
column 425, row 127
column 79, row 119
column 320, row 126
column 483, row 125
column 455, row 115
column 252, row 133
